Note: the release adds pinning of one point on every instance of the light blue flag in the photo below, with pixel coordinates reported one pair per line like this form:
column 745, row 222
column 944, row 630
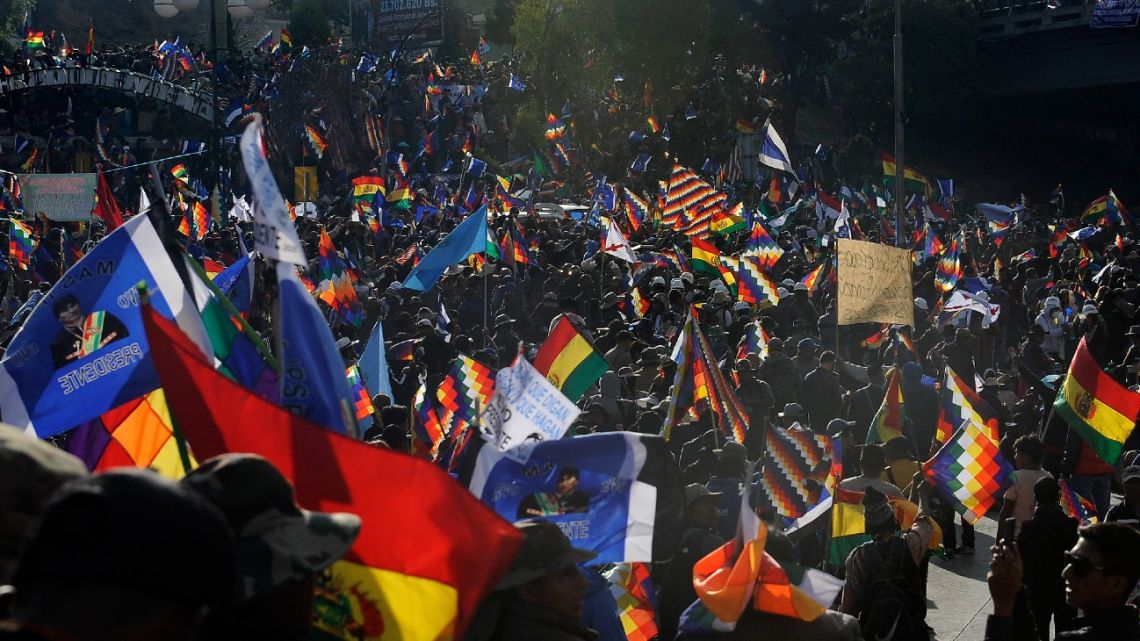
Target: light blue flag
column 374, row 364
column 83, row 350
column 313, row 383
column 470, row 237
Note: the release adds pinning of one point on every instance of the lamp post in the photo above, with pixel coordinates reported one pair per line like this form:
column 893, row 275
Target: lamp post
column 900, row 147
column 218, row 34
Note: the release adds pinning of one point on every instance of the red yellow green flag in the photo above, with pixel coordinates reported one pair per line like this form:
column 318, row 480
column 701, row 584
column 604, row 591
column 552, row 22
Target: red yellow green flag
column 1101, row 410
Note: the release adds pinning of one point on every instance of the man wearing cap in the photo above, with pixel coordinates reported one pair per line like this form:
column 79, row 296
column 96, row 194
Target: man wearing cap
column 541, row 595
column 824, row 400
column 124, row 555
column 281, row 548
column 805, row 359
column 699, row 540
column 1032, row 356
column 1043, row 541
column 1128, row 510
column 779, row 372
column 31, row 470
column 889, row 554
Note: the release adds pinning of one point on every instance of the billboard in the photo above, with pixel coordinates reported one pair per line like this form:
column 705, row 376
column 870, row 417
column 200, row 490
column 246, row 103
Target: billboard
column 391, row 21
column 61, row 197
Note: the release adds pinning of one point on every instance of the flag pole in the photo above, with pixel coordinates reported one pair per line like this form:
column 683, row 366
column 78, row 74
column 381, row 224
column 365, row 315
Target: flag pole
column 900, row 147
column 486, row 329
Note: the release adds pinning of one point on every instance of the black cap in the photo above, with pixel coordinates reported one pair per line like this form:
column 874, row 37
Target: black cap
column 137, row 530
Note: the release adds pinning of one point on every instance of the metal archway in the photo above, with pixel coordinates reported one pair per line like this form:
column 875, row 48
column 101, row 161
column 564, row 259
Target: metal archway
column 200, row 104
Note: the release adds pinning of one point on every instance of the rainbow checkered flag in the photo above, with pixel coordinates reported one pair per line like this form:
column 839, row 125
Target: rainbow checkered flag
column 632, row 590
column 1076, row 505
column 361, row 399
column 21, row 244
column 969, row 471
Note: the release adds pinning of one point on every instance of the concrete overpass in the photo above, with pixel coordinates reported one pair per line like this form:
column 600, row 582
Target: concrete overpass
column 191, row 99
column 1027, row 48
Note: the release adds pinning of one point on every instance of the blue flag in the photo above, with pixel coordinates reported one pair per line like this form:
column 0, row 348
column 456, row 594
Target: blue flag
column 516, row 84
column 608, row 492
column 236, row 282
column 83, row 350
column 313, row 384
column 476, row 167
column 470, row 237
column 374, row 363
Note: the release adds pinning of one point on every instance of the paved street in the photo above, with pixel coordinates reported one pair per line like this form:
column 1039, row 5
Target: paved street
column 958, row 599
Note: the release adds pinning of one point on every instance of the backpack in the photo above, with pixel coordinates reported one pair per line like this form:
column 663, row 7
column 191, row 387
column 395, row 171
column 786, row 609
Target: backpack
column 894, row 608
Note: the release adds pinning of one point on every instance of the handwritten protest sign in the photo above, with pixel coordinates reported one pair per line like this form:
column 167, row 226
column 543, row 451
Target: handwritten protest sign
column 61, row 197
column 874, row 284
column 525, row 411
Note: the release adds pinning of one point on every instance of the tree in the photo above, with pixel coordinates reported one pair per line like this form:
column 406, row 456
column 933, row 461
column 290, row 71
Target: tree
column 501, row 20
column 940, row 73
column 308, row 23
column 335, row 10
column 12, row 21
column 804, row 36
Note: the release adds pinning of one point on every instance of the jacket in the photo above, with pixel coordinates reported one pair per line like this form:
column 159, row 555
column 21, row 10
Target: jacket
column 822, row 398
column 521, row 621
column 1119, row 624
column 1043, row 541
column 779, row 372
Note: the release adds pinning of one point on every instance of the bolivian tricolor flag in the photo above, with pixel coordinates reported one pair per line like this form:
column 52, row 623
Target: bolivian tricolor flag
column 888, row 421
column 569, row 361
column 409, row 575
column 913, row 181
column 849, row 529
column 727, row 222
column 706, row 257
column 1101, row 410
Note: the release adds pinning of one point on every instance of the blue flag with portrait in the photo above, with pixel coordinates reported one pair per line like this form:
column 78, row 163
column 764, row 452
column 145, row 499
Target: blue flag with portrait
column 616, row 494
column 82, row 350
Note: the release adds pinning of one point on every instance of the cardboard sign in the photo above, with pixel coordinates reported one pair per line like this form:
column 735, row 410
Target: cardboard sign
column 874, row 284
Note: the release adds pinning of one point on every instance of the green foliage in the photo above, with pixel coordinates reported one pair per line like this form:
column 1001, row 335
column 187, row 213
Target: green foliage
column 500, row 21
column 12, row 20
column 308, row 23
column 859, row 157
column 335, row 10
column 940, row 70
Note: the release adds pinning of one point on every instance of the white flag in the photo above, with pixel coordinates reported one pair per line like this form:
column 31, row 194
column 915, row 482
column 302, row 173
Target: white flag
column 525, row 410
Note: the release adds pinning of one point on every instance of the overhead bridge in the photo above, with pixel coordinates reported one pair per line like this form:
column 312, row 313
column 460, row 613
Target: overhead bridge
column 189, row 99
column 1028, row 48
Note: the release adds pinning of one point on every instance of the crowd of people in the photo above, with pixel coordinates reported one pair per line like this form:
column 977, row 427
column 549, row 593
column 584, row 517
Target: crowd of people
column 81, row 550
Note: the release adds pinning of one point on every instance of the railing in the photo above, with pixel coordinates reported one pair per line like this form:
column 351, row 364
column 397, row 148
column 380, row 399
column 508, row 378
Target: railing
column 198, row 103
column 1000, row 19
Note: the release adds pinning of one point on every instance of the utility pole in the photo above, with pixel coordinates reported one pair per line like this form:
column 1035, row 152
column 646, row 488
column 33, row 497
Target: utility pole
column 900, row 146
column 219, row 44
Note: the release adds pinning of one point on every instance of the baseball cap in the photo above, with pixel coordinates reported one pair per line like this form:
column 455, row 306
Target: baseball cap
column 545, row 550
column 694, row 491
column 30, row 471
column 276, row 539
column 133, row 529
column 1130, row 473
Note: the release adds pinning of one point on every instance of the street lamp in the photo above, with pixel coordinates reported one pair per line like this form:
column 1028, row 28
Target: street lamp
column 239, row 9
column 165, row 8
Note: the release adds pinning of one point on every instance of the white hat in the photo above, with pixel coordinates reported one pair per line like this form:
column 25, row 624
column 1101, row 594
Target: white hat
column 800, row 287
column 676, row 283
column 788, row 282
column 657, row 280
column 741, row 306
column 781, row 291
column 921, row 304
column 1088, row 309
column 983, row 296
column 1052, row 302
column 687, row 277
column 395, row 285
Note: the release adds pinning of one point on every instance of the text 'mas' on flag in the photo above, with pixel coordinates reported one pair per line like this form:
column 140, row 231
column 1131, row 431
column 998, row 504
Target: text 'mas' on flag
column 417, row 581
column 82, row 351
column 615, row 494
column 1098, row 408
